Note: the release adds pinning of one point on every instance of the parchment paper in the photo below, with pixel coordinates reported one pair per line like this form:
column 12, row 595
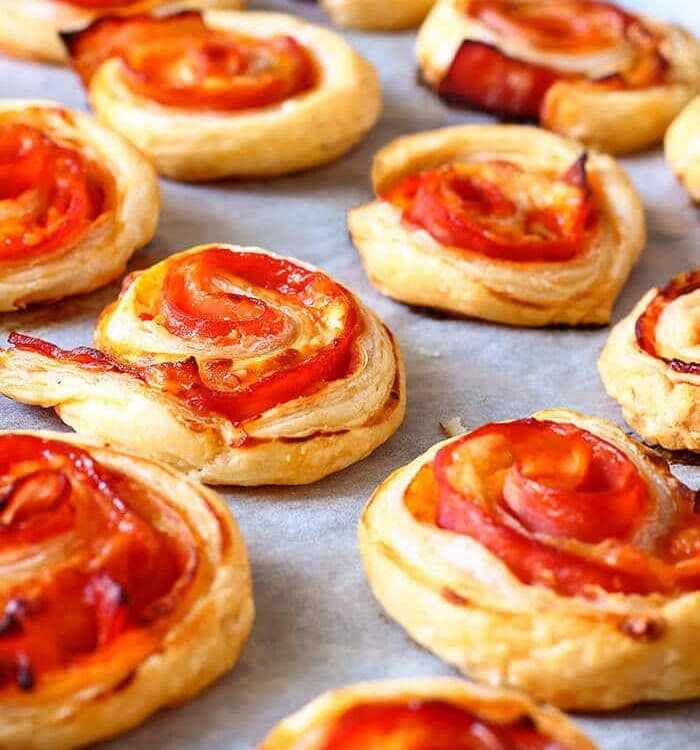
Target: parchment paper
column 317, row 624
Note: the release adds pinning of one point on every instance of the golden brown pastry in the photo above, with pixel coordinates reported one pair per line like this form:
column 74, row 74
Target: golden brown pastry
column 553, row 554
column 76, row 201
column 435, row 713
column 32, row 28
column 248, row 369
column 502, row 222
column 125, row 588
column 683, row 148
column 226, row 93
column 583, row 68
column 651, row 364
column 377, row 15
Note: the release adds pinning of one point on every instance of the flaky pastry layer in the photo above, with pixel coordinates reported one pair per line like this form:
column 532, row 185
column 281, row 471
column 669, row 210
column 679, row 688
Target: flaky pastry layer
column 84, row 706
column 682, row 144
column 307, row 728
column 377, row 15
column 613, row 121
column 128, row 223
column 32, row 28
column 661, row 404
column 296, row 442
column 408, row 264
column 458, row 600
column 305, row 131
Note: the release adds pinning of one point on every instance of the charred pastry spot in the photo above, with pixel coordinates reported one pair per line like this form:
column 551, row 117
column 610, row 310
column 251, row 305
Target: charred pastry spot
column 454, row 598
column 25, row 678
column 527, row 722
column 643, row 628
column 124, row 683
column 11, row 620
column 395, row 395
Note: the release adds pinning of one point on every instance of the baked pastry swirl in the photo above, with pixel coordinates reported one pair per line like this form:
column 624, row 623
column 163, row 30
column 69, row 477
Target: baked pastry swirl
column 435, row 713
column 76, row 201
column 583, row 68
column 651, row 364
column 125, row 588
column 502, row 222
column 682, row 144
column 248, row 368
column 32, row 28
column 377, row 15
column 226, row 93
column 554, row 554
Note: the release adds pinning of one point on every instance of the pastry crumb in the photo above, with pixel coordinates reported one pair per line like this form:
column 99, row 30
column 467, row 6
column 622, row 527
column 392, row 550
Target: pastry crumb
column 452, row 427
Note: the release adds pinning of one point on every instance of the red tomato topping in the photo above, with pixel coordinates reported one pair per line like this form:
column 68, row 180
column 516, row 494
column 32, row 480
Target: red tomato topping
column 497, row 209
column 178, row 61
column 105, row 568
column 575, row 26
column 433, row 725
column 217, row 298
column 537, row 493
column 645, row 328
column 49, row 193
column 483, row 76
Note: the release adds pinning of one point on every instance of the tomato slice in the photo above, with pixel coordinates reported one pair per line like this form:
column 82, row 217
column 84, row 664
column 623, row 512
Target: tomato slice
column 431, row 725
column 497, row 209
column 49, row 195
column 645, row 327
column 200, row 301
column 195, row 303
column 527, row 489
column 178, row 61
column 107, row 570
column 574, row 26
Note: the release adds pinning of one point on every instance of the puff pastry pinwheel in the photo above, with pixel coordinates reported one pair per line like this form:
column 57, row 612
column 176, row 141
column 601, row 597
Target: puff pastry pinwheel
column 553, row 554
column 247, row 368
column 76, row 201
column 682, row 144
column 651, row 364
column 227, row 93
column 125, row 588
column 377, row 15
column 584, row 68
column 503, row 222
column 421, row 713
column 32, row 28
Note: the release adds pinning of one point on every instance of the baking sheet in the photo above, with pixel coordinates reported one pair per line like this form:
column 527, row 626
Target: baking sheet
column 317, row 624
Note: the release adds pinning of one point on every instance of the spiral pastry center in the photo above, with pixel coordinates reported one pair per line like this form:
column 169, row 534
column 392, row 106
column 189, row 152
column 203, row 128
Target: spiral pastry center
column 181, row 62
column 562, row 508
column 50, row 194
column 497, row 209
column 431, row 725
column 88, row 558
column 669, row 328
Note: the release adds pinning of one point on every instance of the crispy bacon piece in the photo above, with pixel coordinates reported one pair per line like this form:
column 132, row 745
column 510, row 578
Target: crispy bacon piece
column 431, row 725
column 498, row 210
column 198, row 302
column 49, row 193
column 645, row 328
column 116, row 568
column 483, row 76
column 178, row 61
column 548, row 491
